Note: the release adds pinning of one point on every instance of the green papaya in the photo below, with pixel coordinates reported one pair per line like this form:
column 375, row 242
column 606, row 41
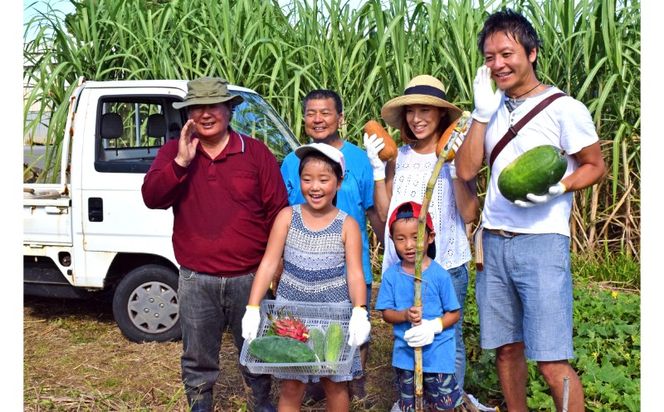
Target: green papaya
column 334, row 340
column 281, row 349
column 317, row 339
column 534, row 171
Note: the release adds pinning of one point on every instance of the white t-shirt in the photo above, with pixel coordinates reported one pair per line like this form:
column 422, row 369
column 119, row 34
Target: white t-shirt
column 412, row 173
column 566, row 123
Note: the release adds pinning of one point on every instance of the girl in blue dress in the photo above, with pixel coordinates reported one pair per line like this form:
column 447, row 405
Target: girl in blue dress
column 321, row 248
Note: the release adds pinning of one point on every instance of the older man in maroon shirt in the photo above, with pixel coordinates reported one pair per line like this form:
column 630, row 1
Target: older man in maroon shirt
column 225, row 189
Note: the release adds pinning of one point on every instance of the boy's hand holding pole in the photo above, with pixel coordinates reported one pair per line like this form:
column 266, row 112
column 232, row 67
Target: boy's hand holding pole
column 423, row 334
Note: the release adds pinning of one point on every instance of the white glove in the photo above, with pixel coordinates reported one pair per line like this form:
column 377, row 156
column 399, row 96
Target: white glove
column 453, row 170
column 375, row 144
column 250, row 322
column 554, row 191
column 423, row 334
column 486, row 100
column 358, row 327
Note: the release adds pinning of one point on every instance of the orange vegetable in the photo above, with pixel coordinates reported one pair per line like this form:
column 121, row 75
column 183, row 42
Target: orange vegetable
column 444, row 138
column 389, row 152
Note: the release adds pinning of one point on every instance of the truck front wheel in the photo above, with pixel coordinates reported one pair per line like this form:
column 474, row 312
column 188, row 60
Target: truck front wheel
column 145, row 305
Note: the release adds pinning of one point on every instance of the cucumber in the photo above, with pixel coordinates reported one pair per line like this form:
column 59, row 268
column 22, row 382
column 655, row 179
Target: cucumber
column 281, row 349
column 317, row 339
column 534, row 171
column 334, row 340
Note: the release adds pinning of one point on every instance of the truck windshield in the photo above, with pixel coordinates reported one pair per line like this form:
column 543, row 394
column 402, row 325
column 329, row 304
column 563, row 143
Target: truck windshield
column 255, row 117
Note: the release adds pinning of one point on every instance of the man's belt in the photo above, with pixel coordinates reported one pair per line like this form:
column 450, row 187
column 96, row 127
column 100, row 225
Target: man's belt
column 503, row 233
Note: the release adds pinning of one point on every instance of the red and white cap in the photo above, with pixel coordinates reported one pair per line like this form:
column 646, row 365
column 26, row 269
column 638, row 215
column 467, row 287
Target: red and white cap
column 403, row 212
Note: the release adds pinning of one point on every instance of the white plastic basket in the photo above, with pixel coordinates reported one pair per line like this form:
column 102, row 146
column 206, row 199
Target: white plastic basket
column 313, row 314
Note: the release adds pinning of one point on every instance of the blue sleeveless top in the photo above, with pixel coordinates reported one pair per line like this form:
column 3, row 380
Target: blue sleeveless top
column 315, row 271
column 314, row 262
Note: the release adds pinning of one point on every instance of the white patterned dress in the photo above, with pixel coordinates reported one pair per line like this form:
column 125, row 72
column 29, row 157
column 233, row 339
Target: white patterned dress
column 411, row 175
column 315, row 271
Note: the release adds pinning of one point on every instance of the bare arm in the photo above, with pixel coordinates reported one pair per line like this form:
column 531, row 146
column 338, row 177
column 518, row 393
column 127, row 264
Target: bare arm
column 377, row 225
column 591, row 168
column 470, row 156
column 413, row 315
column 272, row 258
column 467, row 202
column 383, row 192
column 352, row 239
column 450, row 318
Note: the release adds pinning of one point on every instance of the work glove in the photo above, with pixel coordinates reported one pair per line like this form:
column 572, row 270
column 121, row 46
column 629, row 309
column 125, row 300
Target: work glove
column 375, row 144
column 250, row 322
column 423, row 334
column 486, row 100
column 358, row 327
column 554, row 191
column 452, row 170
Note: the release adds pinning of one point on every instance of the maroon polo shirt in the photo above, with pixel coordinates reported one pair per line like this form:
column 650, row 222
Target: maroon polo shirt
column 223, row 208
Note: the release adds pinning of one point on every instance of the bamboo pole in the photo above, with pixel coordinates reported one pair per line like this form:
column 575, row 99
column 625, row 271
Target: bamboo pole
column 461, row 127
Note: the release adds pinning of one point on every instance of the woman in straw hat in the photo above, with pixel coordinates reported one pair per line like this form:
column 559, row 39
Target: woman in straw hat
column 421, row 114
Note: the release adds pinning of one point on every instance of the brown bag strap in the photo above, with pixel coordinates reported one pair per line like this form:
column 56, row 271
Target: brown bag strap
column 513, row 130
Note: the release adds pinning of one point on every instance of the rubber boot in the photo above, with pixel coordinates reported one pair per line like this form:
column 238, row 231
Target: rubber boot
column 200, row 402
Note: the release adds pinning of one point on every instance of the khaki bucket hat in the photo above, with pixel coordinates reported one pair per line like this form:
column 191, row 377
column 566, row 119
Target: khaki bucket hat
column 422, row 89
column 208, row 90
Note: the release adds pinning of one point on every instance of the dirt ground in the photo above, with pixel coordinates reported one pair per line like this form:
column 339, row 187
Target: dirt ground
column 76, row 359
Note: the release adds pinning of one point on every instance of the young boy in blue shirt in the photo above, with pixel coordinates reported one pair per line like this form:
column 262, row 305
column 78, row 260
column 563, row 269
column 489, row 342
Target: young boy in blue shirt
column 430, row 326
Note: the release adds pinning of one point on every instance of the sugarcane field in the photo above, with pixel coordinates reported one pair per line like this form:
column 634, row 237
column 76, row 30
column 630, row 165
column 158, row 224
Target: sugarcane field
column 238, row 171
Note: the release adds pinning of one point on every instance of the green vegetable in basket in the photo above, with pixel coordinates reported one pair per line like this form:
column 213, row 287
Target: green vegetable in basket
column 334, row 340
column 317, row 339
column 280, row 349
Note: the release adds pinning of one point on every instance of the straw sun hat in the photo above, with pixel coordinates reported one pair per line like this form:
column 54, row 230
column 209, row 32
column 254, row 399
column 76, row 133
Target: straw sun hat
column 423, row 89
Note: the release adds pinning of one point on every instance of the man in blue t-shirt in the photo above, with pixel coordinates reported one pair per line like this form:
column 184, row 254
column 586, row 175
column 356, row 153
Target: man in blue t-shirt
column 323, row 116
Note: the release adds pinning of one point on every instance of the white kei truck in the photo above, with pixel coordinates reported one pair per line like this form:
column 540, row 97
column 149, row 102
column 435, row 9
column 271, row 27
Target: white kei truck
column 90, row 231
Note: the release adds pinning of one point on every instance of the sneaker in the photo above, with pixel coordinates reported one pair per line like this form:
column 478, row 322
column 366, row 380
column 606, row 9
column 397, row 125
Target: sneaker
column 395, row 407
column 478, row 405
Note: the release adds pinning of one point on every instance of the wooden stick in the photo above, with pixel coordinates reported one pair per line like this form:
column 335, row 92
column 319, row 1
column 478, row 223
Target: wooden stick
column 460, row 127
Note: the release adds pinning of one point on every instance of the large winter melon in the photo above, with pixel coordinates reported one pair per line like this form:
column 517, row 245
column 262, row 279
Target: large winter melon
column 281, row 349
column 532, row 172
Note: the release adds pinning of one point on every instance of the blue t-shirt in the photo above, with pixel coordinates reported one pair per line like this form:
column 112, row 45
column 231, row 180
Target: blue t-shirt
column 397, row 291
column 354, row 197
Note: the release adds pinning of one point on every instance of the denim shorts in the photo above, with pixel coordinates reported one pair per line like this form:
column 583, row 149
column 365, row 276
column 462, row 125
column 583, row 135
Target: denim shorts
column 441, row 391
column 524, row 294
column 459, row 276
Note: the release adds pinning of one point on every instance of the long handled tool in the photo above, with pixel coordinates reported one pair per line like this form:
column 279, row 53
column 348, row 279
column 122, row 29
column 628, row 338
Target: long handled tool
column 460, row 127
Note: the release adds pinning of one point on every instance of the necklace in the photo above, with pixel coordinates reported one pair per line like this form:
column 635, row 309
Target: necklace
column 523, row 94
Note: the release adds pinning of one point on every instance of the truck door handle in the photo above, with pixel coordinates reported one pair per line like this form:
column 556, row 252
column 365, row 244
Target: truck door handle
column 95, row 209
column 54, row 210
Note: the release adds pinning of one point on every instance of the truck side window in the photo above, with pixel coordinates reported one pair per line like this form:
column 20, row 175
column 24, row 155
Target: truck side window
column 130, row 131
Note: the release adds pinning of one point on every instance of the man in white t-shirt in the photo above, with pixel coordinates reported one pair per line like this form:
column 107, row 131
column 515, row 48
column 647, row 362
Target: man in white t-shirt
column 524, row 292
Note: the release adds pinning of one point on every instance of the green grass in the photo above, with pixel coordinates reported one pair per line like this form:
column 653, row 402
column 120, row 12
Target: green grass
column 619, row 269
